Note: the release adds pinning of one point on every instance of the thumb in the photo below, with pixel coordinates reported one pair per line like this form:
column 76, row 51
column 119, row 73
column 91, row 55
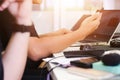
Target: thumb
column 95, row 16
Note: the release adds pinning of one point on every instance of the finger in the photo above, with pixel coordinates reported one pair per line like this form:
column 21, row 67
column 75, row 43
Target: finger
column 96, row 23
column 100, row 15
column 4, row 5
column 94, row 17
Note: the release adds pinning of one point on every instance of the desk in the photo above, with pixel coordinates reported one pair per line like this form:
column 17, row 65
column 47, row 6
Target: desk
column 62, row 73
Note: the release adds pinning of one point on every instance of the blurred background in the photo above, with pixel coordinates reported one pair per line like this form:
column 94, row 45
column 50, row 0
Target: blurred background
column 52, row 15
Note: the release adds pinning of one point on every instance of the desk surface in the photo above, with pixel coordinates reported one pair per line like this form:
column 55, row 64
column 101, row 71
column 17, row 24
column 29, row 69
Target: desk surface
column 62, row 73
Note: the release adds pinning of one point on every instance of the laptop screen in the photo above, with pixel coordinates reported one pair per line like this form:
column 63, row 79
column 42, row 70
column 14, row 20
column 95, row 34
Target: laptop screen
column 108, row 25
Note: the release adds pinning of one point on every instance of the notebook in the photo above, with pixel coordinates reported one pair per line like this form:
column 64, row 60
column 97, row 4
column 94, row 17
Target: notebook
column 108, row 25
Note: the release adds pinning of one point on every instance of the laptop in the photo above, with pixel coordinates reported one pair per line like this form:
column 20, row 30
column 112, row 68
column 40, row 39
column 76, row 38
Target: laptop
column 108, row 25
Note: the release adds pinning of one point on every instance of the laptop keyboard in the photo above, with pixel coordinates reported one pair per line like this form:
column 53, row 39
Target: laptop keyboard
column 86, row 53
column 95, row 51
column 103, row 47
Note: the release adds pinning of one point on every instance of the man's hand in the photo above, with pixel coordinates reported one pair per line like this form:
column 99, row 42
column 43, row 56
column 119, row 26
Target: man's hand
column 5, row 4
column 20, row 9
column 90, row 24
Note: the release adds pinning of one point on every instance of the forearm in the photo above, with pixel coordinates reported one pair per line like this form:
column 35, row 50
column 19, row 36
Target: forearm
column 55, row 33
column 14, row 58
column 58, row 43
column 24, row 21
column 43, row 47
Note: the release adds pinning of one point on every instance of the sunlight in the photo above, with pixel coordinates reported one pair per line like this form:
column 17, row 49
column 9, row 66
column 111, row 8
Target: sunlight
column 72, row 4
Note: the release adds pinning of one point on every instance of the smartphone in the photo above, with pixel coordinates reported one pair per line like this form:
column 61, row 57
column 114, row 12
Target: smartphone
column 84, row 63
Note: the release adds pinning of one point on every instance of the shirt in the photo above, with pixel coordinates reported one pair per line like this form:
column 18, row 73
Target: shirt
column 1, row 66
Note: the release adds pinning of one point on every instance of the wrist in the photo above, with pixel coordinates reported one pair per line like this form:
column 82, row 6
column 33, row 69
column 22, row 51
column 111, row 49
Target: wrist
column 21, row 28
column 82, row 34
column 24, row 21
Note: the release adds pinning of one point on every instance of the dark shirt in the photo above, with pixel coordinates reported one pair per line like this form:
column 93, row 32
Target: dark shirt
column 1, row 66
column 7, row 21
column 32, row 72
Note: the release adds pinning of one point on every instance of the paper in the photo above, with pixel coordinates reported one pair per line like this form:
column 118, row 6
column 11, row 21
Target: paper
column 61, row 60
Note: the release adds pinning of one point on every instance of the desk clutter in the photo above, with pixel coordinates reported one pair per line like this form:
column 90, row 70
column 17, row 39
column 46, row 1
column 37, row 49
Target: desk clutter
column 100, row 64
column 96, row 63
column 112, row 69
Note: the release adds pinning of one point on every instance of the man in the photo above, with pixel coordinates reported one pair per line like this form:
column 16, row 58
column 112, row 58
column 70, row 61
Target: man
column 17, row 12
column 42, row 46
column 14, row 57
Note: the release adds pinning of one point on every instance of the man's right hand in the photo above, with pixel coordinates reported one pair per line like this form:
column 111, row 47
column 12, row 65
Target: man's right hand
column 90, row 24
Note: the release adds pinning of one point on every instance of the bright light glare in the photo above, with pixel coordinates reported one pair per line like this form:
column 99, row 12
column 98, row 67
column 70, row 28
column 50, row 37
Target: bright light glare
column 72, row 4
